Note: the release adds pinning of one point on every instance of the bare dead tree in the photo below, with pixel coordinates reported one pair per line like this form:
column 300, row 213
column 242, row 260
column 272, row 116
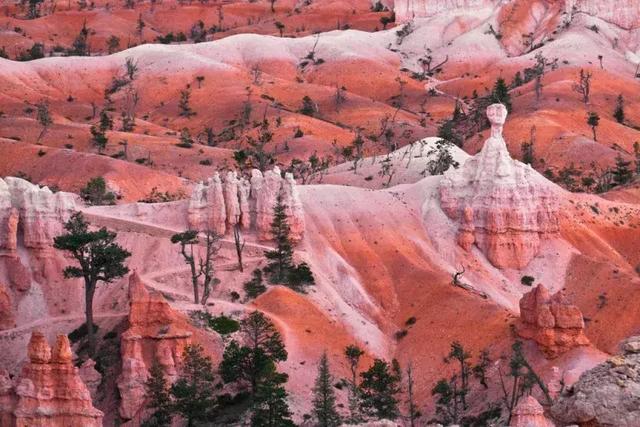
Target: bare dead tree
column 457, row 275
column 426, row 63
column 239, row 242
column 583, row 85
column 207, row 268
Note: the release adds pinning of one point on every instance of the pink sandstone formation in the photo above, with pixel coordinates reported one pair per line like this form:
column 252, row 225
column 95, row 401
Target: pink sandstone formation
column 49, row 391
column 529, row 413
column 218, row 206
column 551, row 321
column 7, row 317
column 156, row 334
column 90, row 376
column 501, row 205
column 406, row 10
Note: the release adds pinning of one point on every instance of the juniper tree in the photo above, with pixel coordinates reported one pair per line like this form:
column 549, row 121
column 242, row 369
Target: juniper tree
column 95, row 192
column 622, row 173
column 193, row 390
column 618, row 114
column 100, row 259
column 43, row 116
column 159, row 398
column 593, row 120
column 379, row 387
column 324, row 399
column 253, row 360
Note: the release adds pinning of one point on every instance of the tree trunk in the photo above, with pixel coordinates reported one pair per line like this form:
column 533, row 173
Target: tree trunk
column 88, row 302
column 239, row 246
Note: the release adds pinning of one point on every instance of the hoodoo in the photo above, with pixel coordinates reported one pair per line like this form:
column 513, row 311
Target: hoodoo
column 501, row 205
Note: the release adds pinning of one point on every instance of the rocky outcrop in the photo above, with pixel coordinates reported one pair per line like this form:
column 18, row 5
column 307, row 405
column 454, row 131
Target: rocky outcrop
column 529, row 413
column 156, row 334
column 501, row 205
column 407, row 10
column 551, row 321
column 37, row 214
column 49, row 391
column 90, row 376
column 7, row 317
column 607, row 395
column 219, row 206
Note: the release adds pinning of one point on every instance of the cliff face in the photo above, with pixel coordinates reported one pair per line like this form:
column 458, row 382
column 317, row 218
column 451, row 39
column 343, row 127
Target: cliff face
column 529, row 413
column 624, row 13
column 552, row 321
column 49, row 391
column 501, row 205
column 219, row 205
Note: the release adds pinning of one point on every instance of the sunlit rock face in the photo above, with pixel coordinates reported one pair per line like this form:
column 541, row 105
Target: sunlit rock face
column 551, row 321
column 529, row 413
column 501, row 205
column 49, row 391
column 219, row 205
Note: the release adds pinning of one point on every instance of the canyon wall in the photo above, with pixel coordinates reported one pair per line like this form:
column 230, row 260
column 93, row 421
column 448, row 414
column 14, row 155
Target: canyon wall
column 221, row 204
column 500, row 205
column 49, row 391
column 406, row 10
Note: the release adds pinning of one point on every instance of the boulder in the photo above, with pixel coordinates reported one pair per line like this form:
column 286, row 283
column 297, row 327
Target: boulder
column 552, row 321
column 501, row 205
column 607, row 395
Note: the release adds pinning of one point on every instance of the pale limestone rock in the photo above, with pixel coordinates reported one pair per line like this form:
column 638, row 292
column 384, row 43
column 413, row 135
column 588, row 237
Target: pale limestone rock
column 406, row 10
column 207, row 206
column 501, row 205
column 256, row 182
column 244, row 191
column 266, row 200
column 38, row 350
column 231, row 199
column 606, row 395
column 295, row 214
column 62, row 350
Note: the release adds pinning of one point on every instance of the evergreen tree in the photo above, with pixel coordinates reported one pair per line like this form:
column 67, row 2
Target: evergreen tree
column 99, row 138
column 270, row 408
column 159, row 398
column 282, row 256
column 324, row 399
column 253, row 361
column 81, row 43
column 500, row 93
column 193, row 391
column 618, row 114
column 622, row 173
column 99, row 257
column 353, row 353
column 255, row 287
column 380, row 386
column 43, row 116
column 95, row 192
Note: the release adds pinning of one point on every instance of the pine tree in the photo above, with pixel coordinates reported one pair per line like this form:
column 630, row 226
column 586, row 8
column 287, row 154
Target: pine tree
column 193, row 391
column 253, row 361
column 282, row 256
column 159, row 398
column 270, row 407
column 622, row 173
column 380, row 386
column 593, row 120
column 500, row 93
column 324, row 399
column 99, row 257
column 255, row 287
column 95, row 192
column 618, row 114
column 353, row 353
